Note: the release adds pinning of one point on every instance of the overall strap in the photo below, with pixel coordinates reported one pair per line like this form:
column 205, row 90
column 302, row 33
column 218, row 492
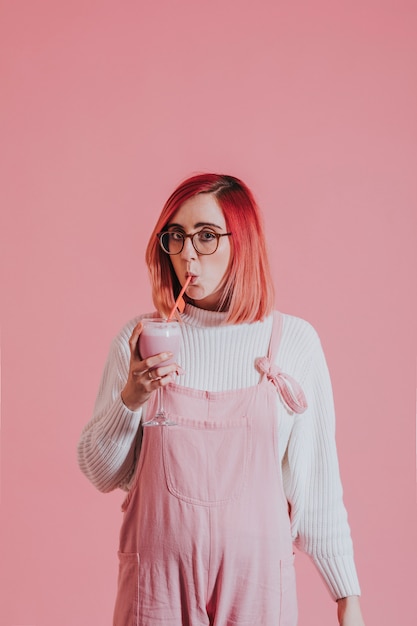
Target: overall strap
column 288, row 388
column 275, row 336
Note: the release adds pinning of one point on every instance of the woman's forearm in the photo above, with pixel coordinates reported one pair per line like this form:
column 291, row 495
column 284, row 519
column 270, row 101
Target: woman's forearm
column 349, row 611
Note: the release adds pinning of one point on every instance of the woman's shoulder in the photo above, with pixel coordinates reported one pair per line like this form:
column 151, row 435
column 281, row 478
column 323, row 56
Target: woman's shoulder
column 298, row 325
column 298, row 335
column 300, row 343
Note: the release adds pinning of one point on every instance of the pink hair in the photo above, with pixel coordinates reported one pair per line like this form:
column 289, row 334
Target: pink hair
column 248, row 293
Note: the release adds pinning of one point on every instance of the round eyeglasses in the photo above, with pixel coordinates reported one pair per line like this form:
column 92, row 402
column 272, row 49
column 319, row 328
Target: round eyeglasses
column 204, row 241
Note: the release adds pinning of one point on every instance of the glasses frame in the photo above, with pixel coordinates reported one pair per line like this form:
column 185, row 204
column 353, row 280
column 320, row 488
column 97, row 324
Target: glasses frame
column 191, row 236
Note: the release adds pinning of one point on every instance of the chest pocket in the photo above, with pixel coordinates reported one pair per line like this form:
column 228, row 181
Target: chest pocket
column 206, row 463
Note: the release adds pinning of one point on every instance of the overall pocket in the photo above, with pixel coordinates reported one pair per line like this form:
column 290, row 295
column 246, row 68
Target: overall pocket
column 289, row 610
column 206, row 462
column 126, row 610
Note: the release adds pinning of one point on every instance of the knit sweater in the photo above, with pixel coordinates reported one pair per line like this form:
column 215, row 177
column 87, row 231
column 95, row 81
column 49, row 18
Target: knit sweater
column 110, row 441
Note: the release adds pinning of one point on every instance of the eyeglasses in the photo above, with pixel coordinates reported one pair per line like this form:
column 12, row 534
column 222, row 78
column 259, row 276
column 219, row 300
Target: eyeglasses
column 204, row 241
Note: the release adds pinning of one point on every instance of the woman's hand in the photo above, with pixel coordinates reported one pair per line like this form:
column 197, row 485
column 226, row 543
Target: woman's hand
column 349, row 612
column 142, row 380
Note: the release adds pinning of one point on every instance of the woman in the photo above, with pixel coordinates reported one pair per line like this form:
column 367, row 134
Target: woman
column 216, row 502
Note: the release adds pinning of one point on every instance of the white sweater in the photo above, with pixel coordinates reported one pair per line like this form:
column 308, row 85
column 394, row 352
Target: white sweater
column 307, row 441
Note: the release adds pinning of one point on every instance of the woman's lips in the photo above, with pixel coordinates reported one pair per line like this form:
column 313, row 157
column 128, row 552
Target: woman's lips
column 193, row 278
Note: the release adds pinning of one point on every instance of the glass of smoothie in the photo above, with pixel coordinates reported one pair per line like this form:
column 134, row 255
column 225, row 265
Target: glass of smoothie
column 158, row 336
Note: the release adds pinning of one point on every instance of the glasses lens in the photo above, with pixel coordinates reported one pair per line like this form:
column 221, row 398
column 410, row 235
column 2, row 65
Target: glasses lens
column 205, row 242
column 171, row 242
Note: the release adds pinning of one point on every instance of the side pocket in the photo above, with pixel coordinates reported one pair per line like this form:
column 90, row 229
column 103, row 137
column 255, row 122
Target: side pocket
column 289, row 610
column 126, row 609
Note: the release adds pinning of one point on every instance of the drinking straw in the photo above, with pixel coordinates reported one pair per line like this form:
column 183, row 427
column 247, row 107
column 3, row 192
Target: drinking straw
column 179, row 302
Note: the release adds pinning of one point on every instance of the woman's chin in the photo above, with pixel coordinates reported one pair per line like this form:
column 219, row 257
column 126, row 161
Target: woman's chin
column 198, row 297
column 209, row 303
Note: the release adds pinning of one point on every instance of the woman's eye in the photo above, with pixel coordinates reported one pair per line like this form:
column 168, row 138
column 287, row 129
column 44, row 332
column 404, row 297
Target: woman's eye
column 176, row 236
column 206, row 235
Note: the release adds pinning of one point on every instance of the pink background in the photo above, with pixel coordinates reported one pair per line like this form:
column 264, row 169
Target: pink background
column 106, row 106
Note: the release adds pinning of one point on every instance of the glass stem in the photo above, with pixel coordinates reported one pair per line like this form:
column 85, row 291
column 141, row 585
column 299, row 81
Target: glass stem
column 160, row 411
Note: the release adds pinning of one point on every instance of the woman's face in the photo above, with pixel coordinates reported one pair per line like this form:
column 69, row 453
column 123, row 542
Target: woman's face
column 206, row 271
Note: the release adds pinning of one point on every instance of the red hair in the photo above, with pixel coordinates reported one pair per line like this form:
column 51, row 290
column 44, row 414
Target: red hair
column 248, row 293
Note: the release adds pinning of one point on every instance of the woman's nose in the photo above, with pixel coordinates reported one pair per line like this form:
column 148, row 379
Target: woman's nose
column 188, row 251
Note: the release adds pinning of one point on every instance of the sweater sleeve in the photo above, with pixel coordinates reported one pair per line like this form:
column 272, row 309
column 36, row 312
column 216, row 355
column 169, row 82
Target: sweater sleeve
column 109, row 443
column 313, row 486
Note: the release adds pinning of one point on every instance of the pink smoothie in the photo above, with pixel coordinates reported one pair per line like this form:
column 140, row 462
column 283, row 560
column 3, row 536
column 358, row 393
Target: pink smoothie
column 160, row 337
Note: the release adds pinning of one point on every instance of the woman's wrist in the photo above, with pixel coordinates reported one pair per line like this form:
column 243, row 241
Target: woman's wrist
column 349, row 611
column 130, row 401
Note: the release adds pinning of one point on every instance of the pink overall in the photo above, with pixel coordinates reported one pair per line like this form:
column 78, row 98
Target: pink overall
column 206, row 537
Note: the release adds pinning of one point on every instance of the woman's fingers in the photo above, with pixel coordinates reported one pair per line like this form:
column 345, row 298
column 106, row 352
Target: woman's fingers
column 134, row 339
column 148, row 371
column 153, row 361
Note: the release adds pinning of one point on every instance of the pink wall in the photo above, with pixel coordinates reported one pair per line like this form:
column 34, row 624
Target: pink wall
column 105, row 106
